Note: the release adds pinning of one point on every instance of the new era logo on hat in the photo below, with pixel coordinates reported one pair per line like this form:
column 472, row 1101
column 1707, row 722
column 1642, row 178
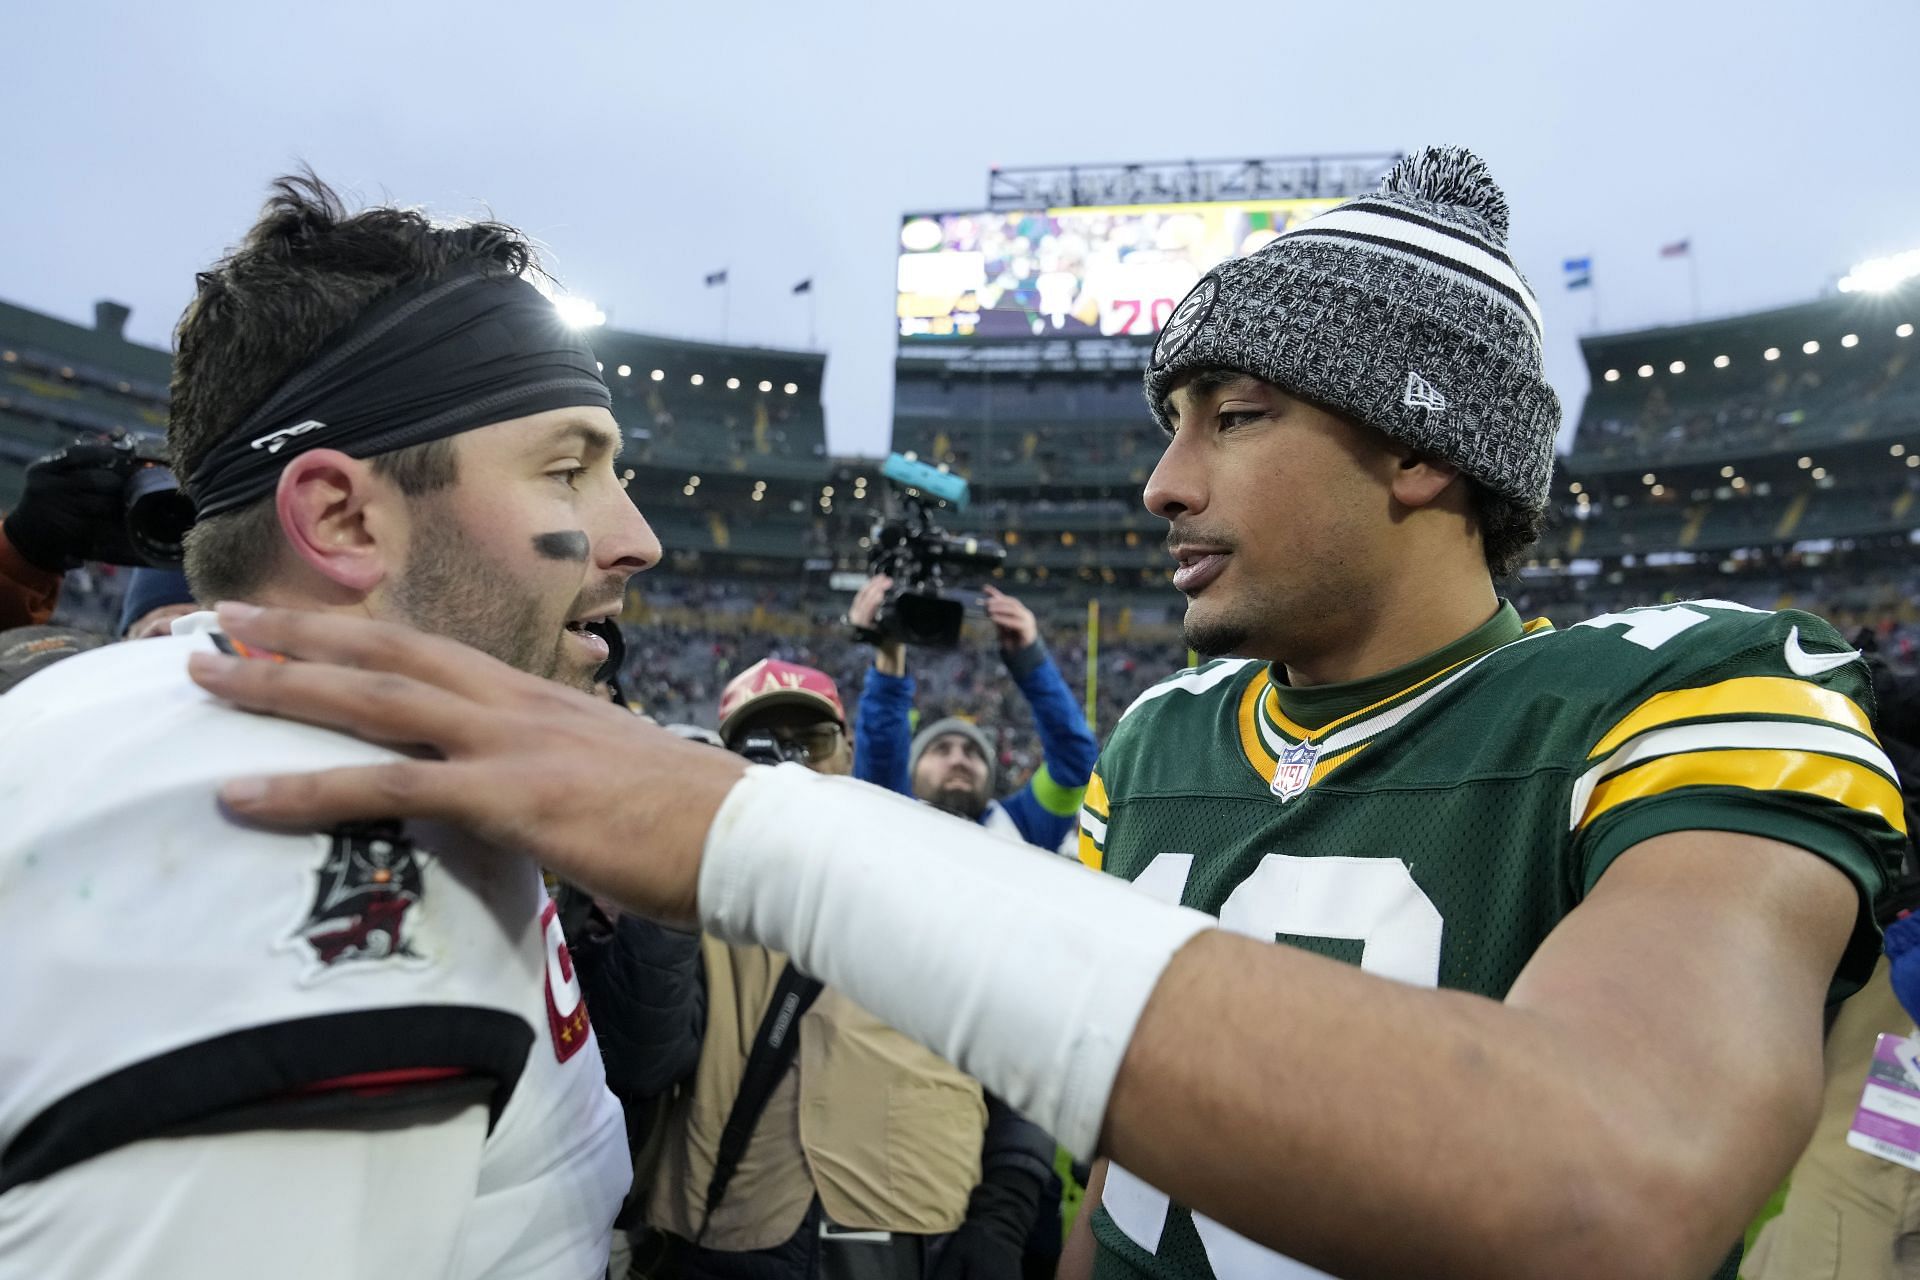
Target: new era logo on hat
column 1421, row 394
column 773, row 683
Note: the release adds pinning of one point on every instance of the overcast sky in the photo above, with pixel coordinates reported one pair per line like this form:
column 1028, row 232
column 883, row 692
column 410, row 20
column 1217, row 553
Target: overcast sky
column 649, row 144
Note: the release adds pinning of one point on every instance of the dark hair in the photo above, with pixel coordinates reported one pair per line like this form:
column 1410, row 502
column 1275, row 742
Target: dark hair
column 1507, row 529
column 305, row 271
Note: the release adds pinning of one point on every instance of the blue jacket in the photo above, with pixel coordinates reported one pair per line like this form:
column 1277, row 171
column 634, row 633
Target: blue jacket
column 1045, row 809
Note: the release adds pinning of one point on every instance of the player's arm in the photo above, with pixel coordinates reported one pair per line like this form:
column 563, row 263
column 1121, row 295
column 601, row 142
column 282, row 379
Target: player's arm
column 1653, row 1073
column 1077, row 1255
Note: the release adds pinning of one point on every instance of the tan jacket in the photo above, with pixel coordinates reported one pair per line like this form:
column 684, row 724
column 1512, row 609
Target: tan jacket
column 886, row 1133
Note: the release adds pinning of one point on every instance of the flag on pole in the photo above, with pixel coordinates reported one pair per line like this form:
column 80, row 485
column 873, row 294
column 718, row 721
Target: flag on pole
column 1678, row 249
column 716, row 277
column 1579, row 272
column 805, row 286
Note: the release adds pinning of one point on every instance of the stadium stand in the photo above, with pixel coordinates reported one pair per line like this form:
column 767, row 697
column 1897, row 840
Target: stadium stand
column 1770, row 458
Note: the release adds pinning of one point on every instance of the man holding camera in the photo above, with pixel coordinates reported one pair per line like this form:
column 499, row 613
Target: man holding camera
column 844, row 1149
column 950, row 763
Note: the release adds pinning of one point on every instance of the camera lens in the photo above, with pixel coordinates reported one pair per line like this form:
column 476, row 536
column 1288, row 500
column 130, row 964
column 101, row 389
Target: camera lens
column 158, row 515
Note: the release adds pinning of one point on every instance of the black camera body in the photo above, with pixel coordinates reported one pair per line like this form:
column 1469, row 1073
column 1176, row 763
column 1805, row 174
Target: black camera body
column 158, row 511
column 922, row 558
column 761, row 747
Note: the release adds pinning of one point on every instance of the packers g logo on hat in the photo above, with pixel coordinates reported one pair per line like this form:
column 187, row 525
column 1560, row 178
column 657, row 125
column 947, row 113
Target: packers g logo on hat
column 1186, row 319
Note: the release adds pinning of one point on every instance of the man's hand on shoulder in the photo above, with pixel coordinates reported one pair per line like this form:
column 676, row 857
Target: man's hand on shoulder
column 1017, row 626
column 619, row 807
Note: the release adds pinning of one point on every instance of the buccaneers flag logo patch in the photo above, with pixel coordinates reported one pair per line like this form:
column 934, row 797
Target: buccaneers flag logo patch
column 365, row 896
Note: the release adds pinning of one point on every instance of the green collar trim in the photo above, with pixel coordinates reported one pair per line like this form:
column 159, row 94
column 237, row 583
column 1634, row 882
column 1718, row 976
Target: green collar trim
column 1322, row 704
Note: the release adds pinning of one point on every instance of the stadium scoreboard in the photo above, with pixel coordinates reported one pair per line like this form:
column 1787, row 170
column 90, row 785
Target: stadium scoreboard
column 1081, row 272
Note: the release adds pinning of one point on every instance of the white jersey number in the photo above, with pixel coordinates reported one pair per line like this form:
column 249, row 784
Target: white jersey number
column 1372, row 901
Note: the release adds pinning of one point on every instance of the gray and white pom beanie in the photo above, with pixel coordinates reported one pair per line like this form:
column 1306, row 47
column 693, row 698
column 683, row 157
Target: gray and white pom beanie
column 1401, row 310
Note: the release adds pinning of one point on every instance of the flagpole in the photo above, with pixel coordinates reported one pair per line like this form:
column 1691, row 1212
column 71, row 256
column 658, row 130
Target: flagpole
column 1693, row 278
column 726, row 305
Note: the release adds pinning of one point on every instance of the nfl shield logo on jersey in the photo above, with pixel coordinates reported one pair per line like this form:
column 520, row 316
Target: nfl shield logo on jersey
column 1296, row 770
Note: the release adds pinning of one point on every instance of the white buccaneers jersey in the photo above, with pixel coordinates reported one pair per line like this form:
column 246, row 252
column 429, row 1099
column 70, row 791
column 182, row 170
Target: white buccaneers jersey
column 171, row 978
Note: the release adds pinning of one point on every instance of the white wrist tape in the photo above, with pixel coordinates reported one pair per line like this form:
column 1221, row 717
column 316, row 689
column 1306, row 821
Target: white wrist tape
column 1026, row 971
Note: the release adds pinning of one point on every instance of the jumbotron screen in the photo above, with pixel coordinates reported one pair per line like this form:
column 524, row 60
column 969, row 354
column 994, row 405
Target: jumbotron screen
column 1079, row 272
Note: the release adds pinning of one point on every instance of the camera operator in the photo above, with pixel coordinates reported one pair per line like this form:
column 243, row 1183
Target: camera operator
column 951, row 763
column 811, row 1139
column 78, row 506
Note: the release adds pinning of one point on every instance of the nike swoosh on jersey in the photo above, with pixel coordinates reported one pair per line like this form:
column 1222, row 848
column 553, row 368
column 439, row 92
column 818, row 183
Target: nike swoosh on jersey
column 1802, row 663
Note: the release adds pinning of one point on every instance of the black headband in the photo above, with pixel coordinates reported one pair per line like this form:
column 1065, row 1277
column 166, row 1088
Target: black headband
column 432, row 359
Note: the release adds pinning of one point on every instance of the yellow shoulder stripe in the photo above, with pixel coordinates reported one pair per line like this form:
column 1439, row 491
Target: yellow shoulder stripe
column 1748, row 695
column 1842, row 781
column 1096, row 797
column 1090, row 852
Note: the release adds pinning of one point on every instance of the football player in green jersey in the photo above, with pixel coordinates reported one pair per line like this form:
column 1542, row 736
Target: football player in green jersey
column 1558, row 911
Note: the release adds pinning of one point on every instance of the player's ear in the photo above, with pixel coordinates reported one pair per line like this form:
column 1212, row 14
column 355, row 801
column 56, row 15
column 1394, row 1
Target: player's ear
column 334, row 515
column 1419, row 480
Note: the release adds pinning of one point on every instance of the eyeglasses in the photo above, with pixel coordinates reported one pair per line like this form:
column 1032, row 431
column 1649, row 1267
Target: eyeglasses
column 817, row 742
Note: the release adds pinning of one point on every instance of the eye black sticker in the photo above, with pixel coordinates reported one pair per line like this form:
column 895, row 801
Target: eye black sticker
column 568, row 544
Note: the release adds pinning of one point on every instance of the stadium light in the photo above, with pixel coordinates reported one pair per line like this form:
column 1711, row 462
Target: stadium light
column 697, row 380
column 765, row 385
column 1725, row 472
column 733, row 384
column 1613, row 375
column 1904, row 331
column 1721, row 362
column 625, row 371
column 1819, row 473
column 1678, row 366
column 687, row 489
column 1739, row 482
column 1646, row 371
column 694, row 481
column 758, row 494
column 1897, row 450
column 1773, row 353
column 1850, row 340
column 1913, row 460
column 1805, row 463
column 659, row 375
column 1658, row 490
column 1647, row 478
column 1575, row 488
column 578, row 313
column 792, row 387
column 1810, row 346
column 1879, row 275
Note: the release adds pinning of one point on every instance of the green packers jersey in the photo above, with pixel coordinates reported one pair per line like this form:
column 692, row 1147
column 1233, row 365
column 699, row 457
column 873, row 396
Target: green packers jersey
column 1435, row 824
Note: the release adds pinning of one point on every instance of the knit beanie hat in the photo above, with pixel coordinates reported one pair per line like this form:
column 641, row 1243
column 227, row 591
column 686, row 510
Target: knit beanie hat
column 1401, row 310
column 940, row 729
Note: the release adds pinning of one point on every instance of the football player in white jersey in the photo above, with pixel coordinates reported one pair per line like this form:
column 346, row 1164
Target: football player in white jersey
column 230, row 1051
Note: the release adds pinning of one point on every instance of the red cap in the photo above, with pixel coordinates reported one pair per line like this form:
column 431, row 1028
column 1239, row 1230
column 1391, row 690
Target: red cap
column 772, row 683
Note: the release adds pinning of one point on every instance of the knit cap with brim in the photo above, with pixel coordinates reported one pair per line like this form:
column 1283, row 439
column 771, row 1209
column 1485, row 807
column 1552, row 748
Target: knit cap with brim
column 1401, row 310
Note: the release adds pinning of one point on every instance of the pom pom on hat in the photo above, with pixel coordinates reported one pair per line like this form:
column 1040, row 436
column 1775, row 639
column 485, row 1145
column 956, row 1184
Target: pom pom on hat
column 1450, row 176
